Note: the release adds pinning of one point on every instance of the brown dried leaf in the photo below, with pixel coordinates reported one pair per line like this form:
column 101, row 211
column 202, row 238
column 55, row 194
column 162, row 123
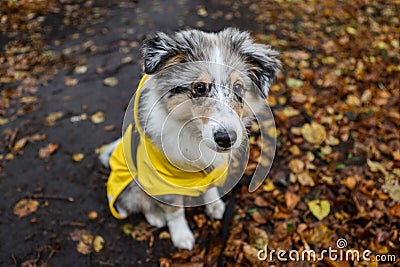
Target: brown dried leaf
column 320, row 234
column 261, row 202
column 20, row 144
column 291, row 200
column 250, row 253
column 200, row 220
column 25, row 207
column 296, row 166
column 108, row 128
column 305, row 179
column 84, row 247
column 76, row 234
column 336, row 263
column 376, row 166
column 45, row 152
column 395, row 210
column 396, row 155
column 257, row 217
column 258, row 237
column 164, row 262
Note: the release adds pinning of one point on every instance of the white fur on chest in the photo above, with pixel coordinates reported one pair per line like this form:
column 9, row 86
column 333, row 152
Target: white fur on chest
column 181, row 143
column 185, row 148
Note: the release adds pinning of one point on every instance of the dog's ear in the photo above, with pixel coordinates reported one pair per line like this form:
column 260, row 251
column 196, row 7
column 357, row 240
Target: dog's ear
column 264, row 65
column 160, row 52
column 263, row 61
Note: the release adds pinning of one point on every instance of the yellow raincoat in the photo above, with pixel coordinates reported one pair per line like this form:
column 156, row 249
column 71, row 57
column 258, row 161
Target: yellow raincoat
column 155, row 174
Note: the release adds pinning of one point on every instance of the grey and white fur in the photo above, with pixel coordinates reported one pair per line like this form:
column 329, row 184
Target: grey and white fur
column 225, row 93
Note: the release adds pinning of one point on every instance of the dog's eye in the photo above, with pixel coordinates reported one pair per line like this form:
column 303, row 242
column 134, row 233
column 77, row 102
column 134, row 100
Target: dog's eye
column 200, row 89
column 237, row 87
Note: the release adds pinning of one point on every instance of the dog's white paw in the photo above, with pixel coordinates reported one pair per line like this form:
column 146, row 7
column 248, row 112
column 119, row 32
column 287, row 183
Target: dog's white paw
column 155, row 219
column 183, row 238
column 216, row 209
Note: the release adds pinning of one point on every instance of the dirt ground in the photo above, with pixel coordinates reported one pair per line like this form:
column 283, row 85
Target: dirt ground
column 75, row 109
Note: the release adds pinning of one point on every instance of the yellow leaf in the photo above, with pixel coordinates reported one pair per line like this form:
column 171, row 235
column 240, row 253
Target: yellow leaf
column 98, row 117
column 326, row 150
column 52, row 118
column 314, row 133
column 319, row 208
column 164, row 235
column 92, row 215
column 83, row 248
column 332, row 141
column 78, row 157
column 110, row 81
column 273, row 132
column 19, row 145
column 268, row 186
column 98, row 243
column 295, row 150
column 3, row 121
column 327, row 179
column 353, row 100
column 29, row 99
column 80, row 69
column 71, row 81
column 290, row 111
column 351, row 30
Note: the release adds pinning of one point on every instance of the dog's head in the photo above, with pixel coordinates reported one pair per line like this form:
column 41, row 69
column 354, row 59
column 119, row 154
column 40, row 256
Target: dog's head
column 218, row 78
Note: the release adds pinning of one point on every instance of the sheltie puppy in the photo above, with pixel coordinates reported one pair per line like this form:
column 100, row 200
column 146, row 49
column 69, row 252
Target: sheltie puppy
column 199, row 92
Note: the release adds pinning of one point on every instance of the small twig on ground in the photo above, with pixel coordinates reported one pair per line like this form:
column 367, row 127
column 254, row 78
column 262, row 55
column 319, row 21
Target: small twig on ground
column 105, row 263
column 12, row 139
column 15, row 263
column 52, row 197
column 74, row 223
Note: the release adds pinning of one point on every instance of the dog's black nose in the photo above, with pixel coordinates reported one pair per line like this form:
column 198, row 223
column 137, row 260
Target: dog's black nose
column 224, row 138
